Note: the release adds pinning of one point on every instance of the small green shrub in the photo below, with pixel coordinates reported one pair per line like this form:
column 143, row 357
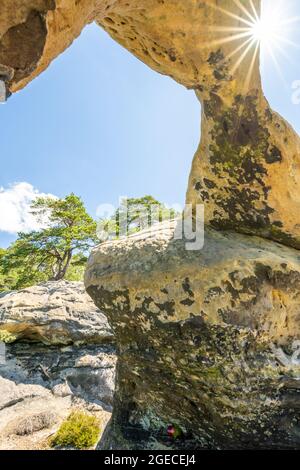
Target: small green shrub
column 80, row 430
column 7, row 336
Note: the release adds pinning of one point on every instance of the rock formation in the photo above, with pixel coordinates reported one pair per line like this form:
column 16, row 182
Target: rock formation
column 208, row 338
column 53, row 313
column 59, row 356
column 246, row 170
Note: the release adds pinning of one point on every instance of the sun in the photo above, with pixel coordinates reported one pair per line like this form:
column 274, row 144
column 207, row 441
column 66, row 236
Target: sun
column 266, row 30
column 267, row 33
column 272, row 27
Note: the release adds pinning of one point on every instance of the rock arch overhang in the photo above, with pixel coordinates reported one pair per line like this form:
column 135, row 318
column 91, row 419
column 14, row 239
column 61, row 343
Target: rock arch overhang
column 246, row 171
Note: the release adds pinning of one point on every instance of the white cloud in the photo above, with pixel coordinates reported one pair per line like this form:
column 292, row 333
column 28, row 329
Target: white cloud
column 15, row 204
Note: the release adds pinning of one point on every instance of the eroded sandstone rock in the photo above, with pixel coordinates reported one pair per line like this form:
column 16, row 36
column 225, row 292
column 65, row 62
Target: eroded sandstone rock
column 53, row 313
column 60, row 356
column 34, row 32
column 207, row 340
column 171, row 36
column 246, row 171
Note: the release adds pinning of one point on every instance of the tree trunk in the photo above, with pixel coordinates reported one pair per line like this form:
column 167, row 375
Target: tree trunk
column 63, row 267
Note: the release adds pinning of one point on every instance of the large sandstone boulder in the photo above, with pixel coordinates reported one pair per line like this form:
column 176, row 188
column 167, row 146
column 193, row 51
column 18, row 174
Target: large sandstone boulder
column 59, row 355
column 53, row 313
column 208, row 340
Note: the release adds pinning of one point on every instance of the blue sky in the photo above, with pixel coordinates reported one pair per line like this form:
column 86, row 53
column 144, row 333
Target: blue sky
column 102, row 124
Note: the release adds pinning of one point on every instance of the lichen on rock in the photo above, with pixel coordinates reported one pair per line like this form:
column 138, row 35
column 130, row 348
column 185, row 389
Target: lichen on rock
column 200, row 339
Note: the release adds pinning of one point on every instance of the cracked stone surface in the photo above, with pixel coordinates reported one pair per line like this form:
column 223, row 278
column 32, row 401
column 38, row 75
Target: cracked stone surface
column 53, row 313
column 40, row 386
column 60, row 356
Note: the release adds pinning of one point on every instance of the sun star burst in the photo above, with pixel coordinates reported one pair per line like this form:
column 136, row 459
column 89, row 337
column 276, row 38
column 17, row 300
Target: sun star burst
column 268, row 32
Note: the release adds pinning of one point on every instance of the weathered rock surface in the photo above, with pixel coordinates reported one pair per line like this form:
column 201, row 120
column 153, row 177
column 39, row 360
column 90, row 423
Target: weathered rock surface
column 42, row 379
column 53, row 313
column 40, row 385
column 171, row 36
column 208, row 340
column 34, row 32
column 246, row 171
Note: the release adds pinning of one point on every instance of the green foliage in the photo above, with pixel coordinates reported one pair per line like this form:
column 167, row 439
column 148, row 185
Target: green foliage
column 133, row 215
column 77, row 266
column 4, row 281
column 59, row 251
column 56, row 252
column 80, row 430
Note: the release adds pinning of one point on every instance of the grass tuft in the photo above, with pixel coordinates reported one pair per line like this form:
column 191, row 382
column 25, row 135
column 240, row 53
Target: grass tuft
column 7, row 337
column 79, row 430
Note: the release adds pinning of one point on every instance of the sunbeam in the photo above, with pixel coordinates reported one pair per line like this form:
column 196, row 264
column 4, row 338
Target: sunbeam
column 267, row 32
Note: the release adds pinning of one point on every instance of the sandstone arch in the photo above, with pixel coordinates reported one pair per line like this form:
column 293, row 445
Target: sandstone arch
column 246, row 170
column 208, row 339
